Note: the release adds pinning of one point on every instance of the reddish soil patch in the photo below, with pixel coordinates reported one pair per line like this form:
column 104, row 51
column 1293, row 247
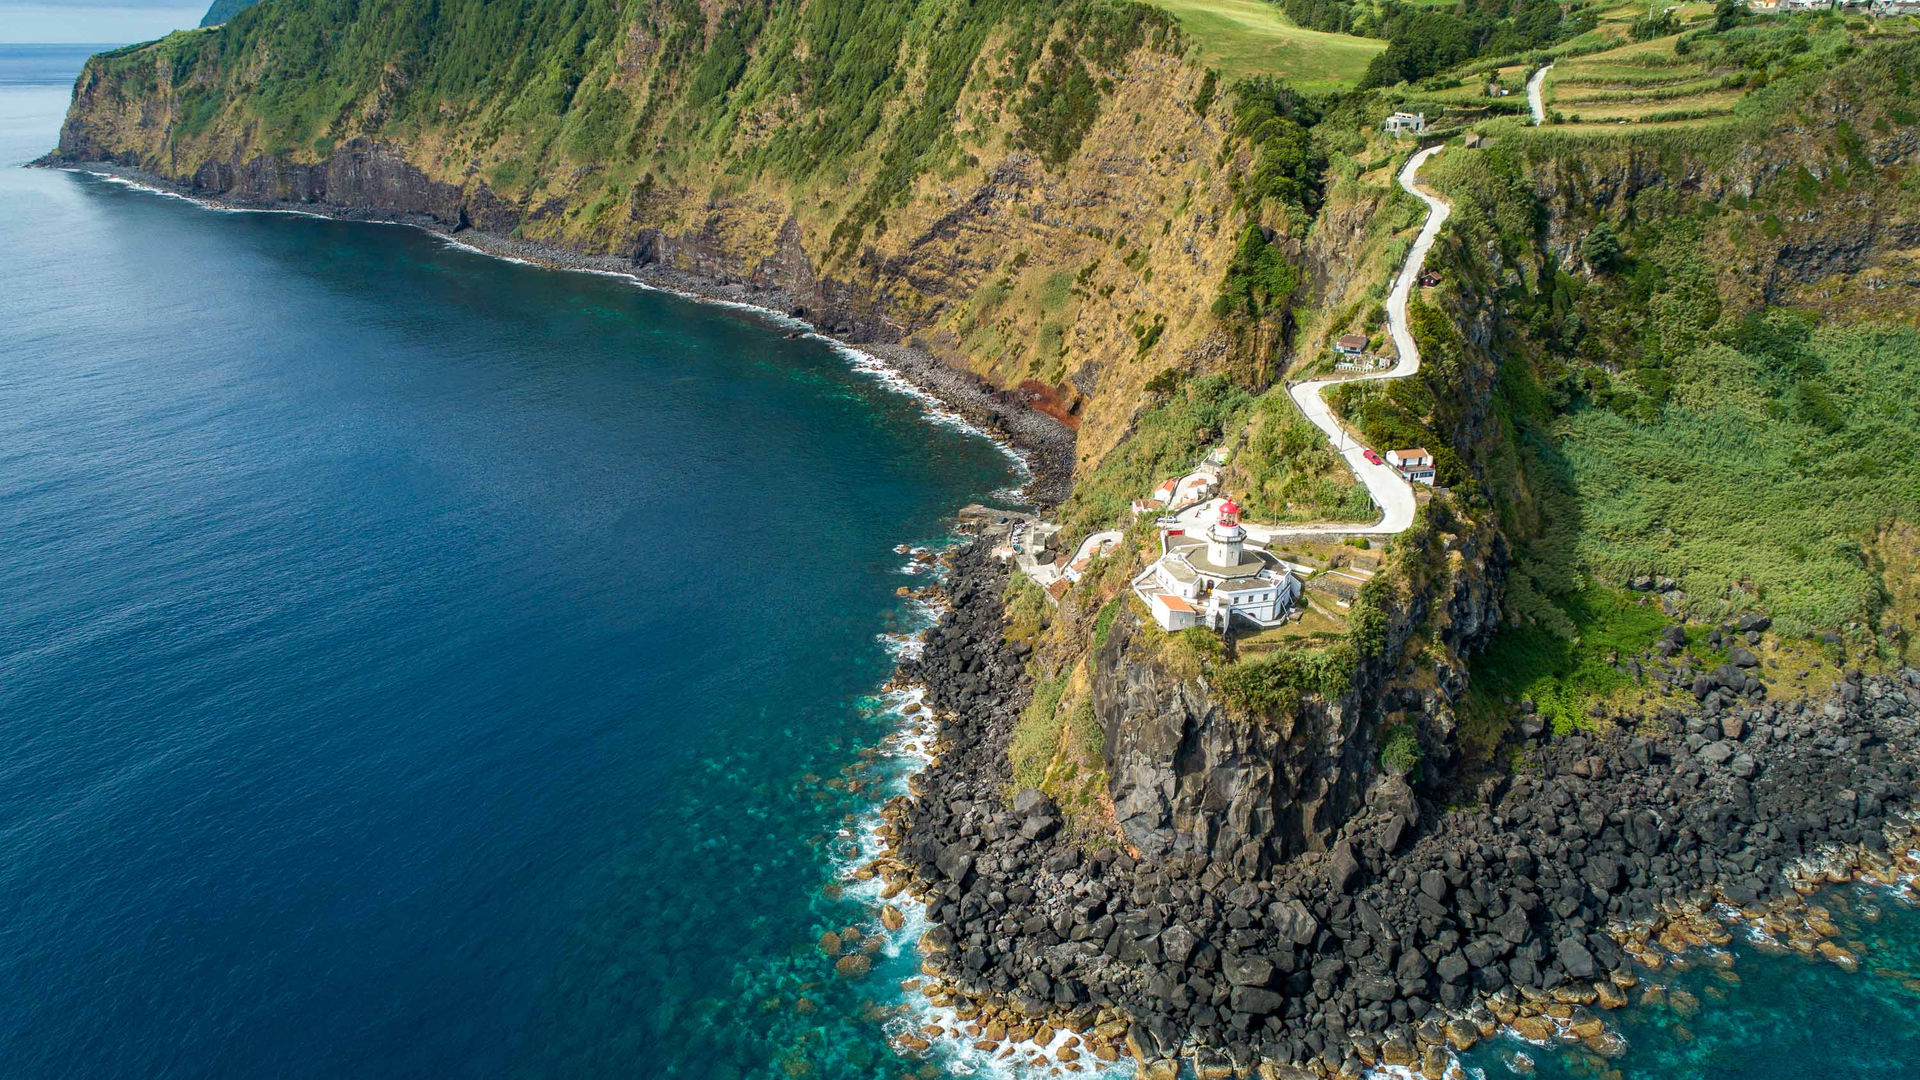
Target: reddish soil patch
column 1057, row 402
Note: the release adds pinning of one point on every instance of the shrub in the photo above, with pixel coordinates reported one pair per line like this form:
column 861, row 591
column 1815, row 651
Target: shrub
column 1400, row 752
column 1272, row 685
column 1036, row 735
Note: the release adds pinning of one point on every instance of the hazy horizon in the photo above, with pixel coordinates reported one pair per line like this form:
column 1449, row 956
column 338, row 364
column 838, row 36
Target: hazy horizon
column 87, row 22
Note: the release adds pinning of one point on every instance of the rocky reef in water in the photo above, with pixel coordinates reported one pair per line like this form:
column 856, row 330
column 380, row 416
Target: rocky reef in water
column 1376, row 925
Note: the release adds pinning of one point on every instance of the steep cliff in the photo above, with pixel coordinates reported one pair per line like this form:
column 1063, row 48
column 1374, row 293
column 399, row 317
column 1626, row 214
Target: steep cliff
column 1032, row 194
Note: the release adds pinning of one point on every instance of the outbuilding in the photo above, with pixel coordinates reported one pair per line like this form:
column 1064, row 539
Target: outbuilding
column 1172, row 613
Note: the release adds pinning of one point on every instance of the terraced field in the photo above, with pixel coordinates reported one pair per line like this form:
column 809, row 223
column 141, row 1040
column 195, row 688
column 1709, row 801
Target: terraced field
column 1243, row 38
column 1638, row 82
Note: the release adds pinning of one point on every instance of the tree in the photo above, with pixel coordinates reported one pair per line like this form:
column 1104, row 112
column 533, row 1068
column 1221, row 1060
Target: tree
column 1601, row 248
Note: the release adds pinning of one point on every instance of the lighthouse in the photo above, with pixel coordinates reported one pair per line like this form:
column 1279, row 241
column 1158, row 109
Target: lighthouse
column 1225, row 537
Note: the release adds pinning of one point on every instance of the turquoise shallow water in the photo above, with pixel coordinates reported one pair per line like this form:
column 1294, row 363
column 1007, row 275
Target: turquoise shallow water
column 413, row 664
column 1763, row 1013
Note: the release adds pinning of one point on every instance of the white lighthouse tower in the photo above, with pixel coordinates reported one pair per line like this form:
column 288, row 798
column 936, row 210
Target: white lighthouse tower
column 1225, row 536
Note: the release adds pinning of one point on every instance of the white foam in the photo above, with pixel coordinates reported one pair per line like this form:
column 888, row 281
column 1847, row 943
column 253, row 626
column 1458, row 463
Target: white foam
column 936, row 410
column 208, row 205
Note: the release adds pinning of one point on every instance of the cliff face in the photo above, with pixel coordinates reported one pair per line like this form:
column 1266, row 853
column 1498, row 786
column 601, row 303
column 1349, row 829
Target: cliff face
column 1039, row 198
column 1191, row 776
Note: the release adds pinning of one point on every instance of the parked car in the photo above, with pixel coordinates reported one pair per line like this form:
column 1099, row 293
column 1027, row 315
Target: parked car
column 1371, row 456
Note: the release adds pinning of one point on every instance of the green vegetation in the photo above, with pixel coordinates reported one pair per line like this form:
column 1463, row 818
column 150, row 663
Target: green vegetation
column 1673, row 76
column 1425, row 40
column 1103, row 622
column 1400, row 751
column 1286, row 471
column 1251, row 38
column 222, row 10
column 814, row 92
column 1167, row 440
column 1271, row 687
column 1665, row 423
column 1781, row 451
column 1036, row 735
column 1028, row 609
column 1562, row 674
column 1414, row 411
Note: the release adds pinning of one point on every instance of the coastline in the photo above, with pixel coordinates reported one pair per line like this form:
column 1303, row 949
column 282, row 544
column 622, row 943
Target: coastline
column 964, row 750
column 1118, row 938
column 1043, row 445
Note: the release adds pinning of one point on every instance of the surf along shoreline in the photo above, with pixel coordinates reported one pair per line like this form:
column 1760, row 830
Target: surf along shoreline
column 1043, row 445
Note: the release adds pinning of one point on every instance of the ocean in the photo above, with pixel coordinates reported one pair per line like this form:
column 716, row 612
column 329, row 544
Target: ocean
column 416, row 664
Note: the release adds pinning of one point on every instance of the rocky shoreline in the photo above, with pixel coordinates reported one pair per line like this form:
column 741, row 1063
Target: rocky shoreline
column 1044, row 443
column 1418, row 929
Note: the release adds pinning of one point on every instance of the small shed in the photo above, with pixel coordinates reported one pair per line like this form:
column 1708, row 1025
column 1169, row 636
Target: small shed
column 1475, row 140
column 1173, row 613
column 1351, row 344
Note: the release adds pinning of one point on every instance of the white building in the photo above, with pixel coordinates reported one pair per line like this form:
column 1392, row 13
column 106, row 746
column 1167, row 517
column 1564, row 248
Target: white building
column 1414, row 464
column 1215, row 578
column 1194, row 488
column 1401, row 123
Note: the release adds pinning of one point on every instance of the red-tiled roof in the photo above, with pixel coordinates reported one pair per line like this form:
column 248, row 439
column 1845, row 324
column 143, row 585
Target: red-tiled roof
column 1174, row 603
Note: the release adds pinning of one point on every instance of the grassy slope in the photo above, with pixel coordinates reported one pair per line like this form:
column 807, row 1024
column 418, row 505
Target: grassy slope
column 1672, row 422
column 1245, row 38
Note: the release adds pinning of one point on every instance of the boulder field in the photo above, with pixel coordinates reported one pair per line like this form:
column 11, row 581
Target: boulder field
column 1528, row 893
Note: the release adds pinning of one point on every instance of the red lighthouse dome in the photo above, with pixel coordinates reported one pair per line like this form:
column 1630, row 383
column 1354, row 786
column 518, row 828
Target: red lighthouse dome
column 1229, row 512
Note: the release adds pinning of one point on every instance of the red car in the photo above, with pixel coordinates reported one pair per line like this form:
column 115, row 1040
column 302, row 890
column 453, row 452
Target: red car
column 1371, row 456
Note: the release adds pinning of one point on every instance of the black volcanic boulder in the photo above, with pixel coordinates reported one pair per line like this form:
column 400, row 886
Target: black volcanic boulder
column 1246, row 969
column 1292, row 921
column 1575, row 960
column 1038, row 818
column 1343, row 870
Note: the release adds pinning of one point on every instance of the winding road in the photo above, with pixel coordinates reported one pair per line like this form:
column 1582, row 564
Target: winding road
column 1536, row 98
column 1392, row 493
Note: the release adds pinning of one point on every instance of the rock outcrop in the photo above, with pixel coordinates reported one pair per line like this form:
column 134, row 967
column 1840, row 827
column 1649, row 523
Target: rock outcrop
column 1353, row 953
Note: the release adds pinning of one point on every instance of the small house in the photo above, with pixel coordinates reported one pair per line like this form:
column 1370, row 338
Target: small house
column 1164, row 493
column 1193, row 489
column 1406, row 123
column 1415, row 464
column 1351, row 344
column 1429, row 279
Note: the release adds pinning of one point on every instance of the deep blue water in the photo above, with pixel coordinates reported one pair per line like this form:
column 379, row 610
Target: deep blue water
column 413, row 664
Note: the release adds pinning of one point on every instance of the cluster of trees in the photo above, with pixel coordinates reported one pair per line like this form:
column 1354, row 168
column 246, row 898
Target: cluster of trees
column 1423, row 41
